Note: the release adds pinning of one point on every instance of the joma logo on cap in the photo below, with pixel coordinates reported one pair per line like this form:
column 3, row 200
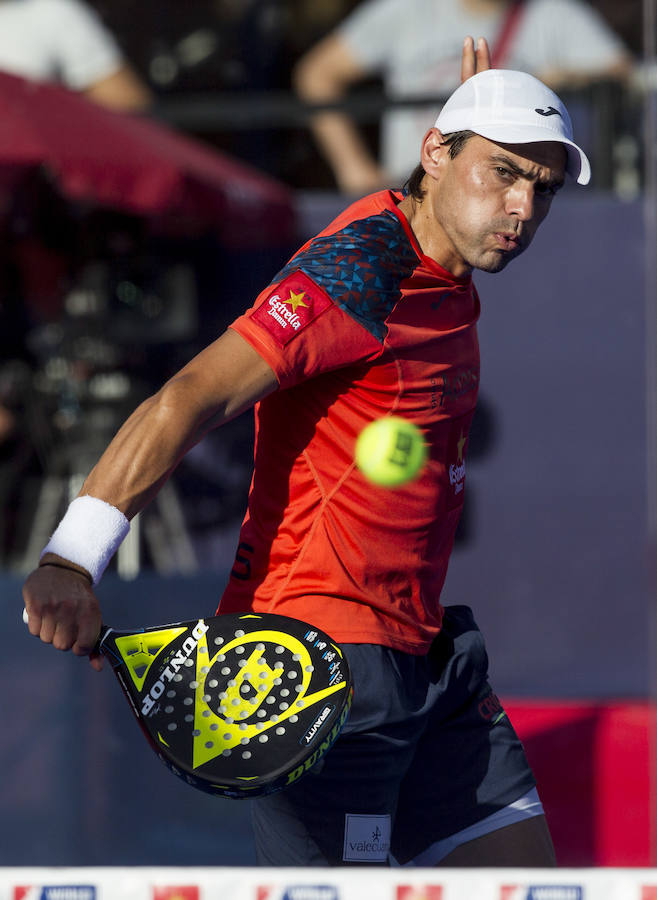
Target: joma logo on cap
column 550, row 111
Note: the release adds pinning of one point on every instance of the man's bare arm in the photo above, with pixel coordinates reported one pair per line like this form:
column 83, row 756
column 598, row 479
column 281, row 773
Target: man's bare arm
column 123, row 90
column 324, row 75
column 226, row 378
column 222, row 381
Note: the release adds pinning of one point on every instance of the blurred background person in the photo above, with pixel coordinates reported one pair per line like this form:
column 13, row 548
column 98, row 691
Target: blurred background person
column 412, row 45
column 66, row 41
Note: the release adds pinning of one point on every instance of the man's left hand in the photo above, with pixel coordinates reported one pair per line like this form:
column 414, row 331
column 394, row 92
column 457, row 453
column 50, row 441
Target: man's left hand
column 475, row 57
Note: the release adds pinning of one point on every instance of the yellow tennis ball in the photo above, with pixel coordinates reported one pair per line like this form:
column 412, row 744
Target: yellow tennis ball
column 391, row 451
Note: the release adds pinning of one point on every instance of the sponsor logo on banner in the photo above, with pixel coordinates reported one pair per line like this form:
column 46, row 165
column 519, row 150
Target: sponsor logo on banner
column 542, row 892
column 366, row 838
column 171, row 892
column 299, row 892
column 290, row 307
column 419, row 892
column 56, row 892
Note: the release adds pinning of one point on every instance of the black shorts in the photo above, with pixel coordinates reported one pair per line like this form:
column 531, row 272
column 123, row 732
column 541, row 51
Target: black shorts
column 427, row 752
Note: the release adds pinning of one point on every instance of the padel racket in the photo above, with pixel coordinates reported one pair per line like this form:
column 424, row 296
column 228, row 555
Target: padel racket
column 237, row 705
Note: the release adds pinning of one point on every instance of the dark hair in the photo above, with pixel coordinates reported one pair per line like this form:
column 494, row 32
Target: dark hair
column 456, row 141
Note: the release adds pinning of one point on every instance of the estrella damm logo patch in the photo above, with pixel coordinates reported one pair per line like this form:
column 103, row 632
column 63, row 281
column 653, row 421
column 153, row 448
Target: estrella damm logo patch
column 457, row 446
column 291, row 306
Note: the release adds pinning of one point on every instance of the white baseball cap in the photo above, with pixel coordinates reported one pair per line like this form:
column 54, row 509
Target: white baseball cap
column 513, row 108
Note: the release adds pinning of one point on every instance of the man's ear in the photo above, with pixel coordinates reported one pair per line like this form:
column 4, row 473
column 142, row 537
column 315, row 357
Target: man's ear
column 435, row 153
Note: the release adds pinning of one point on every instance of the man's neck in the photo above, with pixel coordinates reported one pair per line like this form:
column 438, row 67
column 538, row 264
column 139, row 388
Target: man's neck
column 431, row 238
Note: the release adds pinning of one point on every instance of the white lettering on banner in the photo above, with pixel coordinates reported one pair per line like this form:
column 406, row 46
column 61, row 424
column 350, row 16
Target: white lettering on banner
column 554, row 892
column 344, row 883
column 69, row 893
column 311, row 892
column 543, row 892
column 366, row 838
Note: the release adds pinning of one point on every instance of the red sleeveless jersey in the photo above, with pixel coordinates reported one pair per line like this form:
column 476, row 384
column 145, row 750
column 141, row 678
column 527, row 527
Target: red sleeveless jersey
column 358, row 325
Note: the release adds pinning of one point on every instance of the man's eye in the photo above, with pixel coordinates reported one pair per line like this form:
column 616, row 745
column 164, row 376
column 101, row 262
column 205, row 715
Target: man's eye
column 502, row 172
column 546, row 190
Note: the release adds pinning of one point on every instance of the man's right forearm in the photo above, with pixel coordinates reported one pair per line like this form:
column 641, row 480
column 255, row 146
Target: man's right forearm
column 143, row 453
column 222, row 381
column 136, row 463
column 226, row 378
column 346, row 152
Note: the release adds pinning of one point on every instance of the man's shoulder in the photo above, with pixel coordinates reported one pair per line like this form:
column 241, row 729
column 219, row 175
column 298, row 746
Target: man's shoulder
column 370, row 227
column 360, row 262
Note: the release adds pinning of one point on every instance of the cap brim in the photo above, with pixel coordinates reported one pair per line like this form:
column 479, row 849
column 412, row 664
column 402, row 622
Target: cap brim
column 577, row 166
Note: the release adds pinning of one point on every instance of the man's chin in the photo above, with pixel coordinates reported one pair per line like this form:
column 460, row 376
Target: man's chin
column 496, row 260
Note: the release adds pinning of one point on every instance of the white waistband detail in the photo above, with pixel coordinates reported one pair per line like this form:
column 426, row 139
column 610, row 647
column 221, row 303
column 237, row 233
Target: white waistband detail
column 524, row 808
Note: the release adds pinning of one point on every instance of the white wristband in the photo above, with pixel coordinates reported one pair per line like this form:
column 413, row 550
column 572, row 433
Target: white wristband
column 89, row 535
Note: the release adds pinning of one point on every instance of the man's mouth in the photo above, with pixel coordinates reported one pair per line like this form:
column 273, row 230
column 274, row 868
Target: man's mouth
column 507, row 240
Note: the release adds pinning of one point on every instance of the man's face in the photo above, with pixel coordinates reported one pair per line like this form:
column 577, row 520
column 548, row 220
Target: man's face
column 489, row 200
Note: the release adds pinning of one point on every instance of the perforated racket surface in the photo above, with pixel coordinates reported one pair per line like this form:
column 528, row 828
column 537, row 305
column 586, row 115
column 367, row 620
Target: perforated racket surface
column 237, row 705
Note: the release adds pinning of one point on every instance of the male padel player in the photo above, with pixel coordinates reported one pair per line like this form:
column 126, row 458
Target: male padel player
column 376, row 315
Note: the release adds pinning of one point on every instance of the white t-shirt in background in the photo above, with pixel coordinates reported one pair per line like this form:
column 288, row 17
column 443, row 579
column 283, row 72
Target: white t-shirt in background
column 56, row 40
column 416, row 47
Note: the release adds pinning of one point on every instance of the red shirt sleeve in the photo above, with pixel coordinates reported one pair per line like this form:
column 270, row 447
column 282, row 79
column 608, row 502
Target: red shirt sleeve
column 300, row 332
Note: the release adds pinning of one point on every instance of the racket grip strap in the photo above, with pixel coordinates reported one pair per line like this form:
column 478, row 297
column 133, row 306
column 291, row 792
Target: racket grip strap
column 89, row 535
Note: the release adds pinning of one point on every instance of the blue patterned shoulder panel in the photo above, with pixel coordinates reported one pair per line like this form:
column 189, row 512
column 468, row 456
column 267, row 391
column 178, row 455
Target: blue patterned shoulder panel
column 360, row 267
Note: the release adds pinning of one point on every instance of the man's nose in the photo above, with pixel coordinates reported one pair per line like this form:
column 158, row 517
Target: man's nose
column 520, row 200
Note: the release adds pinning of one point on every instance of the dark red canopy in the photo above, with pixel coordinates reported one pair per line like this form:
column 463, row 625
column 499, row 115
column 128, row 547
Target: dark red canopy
column 137, row 165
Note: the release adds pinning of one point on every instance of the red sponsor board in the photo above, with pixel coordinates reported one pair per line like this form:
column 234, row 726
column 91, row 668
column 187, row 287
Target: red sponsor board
column 608, row 748
column 420, row 892
column 176, row 892
column 55, row 892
